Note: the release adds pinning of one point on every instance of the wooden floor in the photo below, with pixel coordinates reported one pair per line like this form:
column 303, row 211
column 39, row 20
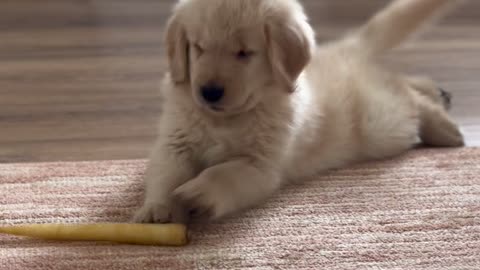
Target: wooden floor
column 79, row 79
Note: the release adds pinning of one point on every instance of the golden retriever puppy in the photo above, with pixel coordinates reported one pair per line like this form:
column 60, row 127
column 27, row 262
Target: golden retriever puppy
column 251, row 103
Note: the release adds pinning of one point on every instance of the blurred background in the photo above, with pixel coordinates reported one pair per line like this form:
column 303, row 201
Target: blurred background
column 79, row 78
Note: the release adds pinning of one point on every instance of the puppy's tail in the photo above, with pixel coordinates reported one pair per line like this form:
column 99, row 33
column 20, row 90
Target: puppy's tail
column 395, row 23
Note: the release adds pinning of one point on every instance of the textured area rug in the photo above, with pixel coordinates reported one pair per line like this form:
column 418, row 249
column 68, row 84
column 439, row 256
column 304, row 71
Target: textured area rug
column 417, row 211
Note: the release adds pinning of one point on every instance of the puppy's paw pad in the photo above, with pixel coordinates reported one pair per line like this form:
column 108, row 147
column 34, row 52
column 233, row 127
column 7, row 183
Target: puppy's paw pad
column 446, row 98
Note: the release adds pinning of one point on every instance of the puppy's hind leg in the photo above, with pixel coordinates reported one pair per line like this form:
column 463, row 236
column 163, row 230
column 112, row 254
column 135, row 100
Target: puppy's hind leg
column 436, row 126
column 427, row 87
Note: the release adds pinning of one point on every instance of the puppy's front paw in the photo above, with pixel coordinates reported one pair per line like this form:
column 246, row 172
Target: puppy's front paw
column 152, row 213
column 203, row 198
column 160, row 213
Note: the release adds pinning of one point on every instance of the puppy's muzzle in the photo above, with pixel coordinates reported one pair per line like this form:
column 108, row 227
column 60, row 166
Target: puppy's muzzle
column 212, row 93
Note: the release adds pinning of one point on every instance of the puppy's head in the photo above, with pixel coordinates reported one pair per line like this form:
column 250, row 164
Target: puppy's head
column 234, row 53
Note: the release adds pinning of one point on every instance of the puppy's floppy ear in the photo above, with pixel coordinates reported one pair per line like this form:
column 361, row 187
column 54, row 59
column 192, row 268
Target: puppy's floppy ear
column 177, row 50
column 290, row 44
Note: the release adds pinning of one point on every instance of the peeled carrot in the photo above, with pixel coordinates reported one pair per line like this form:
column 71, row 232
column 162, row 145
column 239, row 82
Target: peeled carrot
column 127, row 233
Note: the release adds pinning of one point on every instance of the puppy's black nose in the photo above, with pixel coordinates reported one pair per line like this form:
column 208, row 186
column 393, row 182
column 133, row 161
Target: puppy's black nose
column 212, row 93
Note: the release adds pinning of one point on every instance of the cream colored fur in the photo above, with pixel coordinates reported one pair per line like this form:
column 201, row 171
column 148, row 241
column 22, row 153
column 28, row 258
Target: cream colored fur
column 292, row 109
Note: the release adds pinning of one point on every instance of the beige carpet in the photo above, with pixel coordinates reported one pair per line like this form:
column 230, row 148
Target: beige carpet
column 418, row 211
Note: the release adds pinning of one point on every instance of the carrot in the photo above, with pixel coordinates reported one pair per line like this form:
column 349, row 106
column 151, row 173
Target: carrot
column 127, row 233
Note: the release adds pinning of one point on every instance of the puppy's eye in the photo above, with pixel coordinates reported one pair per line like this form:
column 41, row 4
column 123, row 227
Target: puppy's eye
column 244, row 54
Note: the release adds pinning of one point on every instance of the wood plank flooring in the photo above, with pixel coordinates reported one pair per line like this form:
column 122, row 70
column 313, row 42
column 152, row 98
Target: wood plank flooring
column 79, row 79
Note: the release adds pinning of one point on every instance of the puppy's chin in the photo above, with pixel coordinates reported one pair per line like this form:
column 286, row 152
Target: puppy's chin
column 221, row 110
